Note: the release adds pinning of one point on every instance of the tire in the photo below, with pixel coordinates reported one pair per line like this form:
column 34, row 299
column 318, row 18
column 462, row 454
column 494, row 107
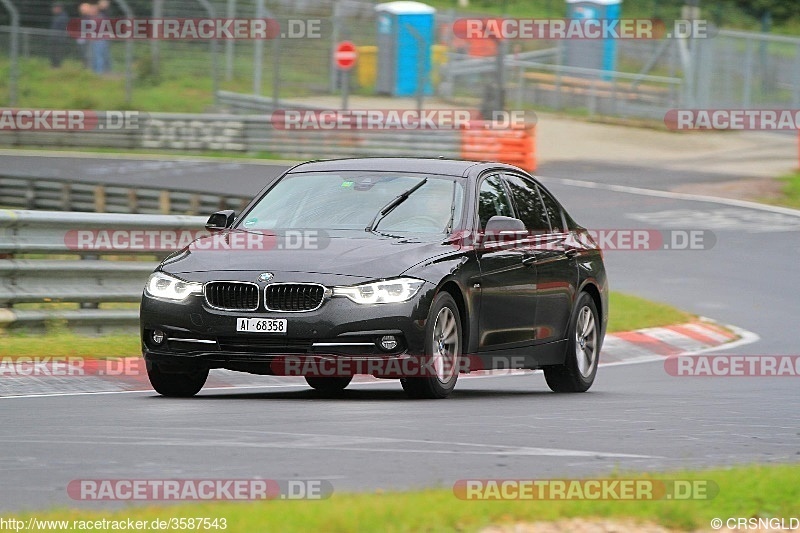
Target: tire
column 177, row 385
column 443, row 341
column 329, row 385
column 583, row 350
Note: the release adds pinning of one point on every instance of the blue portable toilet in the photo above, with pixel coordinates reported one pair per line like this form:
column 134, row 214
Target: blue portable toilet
column 405, row 36
column 598, row 54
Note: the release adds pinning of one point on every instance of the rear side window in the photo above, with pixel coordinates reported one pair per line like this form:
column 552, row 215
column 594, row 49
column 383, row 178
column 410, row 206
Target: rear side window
column 529, row 207
column 493, row 200
column 553, row 211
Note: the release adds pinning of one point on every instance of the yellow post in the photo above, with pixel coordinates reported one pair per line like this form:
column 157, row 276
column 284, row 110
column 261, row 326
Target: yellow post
column 367, row 66
column 438, row 58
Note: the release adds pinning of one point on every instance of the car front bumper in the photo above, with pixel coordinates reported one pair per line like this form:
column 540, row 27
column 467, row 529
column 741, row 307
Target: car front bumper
column 340, row 332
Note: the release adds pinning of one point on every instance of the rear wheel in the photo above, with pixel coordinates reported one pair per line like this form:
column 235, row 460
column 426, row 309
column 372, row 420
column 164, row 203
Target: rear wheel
column 583, row 350
column 324, row 384
column 442, row 351
column 177, row 385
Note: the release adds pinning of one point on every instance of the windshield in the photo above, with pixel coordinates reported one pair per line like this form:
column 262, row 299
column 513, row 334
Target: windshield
column 351, row 201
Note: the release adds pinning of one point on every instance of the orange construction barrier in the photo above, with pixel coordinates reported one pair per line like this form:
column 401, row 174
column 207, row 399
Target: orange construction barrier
column 515, row 145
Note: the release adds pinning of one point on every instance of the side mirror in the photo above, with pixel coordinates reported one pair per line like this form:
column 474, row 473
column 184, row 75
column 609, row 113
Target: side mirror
column 499, row 224
column 221, row 220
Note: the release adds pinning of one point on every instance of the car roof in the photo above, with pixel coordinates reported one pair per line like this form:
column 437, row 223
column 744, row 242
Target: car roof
column 448, row 167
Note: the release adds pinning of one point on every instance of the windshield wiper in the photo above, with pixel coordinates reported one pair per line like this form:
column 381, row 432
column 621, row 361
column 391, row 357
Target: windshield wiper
column 449, row 228
column 388, row 208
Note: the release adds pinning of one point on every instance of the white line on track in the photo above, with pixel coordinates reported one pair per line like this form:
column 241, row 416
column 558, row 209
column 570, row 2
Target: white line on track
column 673, row 195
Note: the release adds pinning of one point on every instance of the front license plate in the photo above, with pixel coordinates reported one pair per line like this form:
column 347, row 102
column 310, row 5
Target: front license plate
column 275, row 326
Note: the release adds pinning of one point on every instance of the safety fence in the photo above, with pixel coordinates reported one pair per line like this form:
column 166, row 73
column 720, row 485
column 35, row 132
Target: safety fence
column 728, row 69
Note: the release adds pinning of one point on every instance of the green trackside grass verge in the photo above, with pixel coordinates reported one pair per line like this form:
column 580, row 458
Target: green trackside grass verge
column 65, row 344
column 746, row 491
column 790, row 192
column 627, row 312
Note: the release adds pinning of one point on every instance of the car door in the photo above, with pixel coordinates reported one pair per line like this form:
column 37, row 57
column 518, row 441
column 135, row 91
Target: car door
column 508, row 284
column 556, row 269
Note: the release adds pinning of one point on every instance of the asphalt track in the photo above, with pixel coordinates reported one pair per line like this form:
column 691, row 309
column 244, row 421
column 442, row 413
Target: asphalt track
column 636, row 417
column 213, row 175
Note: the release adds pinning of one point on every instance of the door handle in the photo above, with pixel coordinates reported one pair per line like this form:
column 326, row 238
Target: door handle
column 530, row 259
column 571, row 252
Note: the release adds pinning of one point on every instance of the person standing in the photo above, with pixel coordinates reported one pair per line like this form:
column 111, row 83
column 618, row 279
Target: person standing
column 101, row 55
column 85, row 10
column 58, row 34
column 103, row 49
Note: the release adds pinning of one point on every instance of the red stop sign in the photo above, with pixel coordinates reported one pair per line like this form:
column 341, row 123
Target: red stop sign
column 345, row 55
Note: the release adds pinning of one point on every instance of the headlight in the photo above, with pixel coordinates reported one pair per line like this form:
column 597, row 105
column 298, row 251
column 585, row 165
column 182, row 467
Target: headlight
column 166, row 287
column 381, row 292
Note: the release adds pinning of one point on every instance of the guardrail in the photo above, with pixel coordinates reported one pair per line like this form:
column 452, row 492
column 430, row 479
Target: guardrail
column 248, row 104
column 29, row 192
column 244, row 133
column 254, row 134
column 48, row 272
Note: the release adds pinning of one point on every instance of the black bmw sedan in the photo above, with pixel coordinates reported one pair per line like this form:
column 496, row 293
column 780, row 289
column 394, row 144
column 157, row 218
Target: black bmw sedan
column 403, row 268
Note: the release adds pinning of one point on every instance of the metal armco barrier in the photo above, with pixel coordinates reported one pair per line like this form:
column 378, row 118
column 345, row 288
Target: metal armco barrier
column 248, row 104
column 45, row 260
column 257, row 134
column 40, row 193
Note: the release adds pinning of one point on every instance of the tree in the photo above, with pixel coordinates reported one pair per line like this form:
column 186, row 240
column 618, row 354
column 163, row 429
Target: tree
column 779, row 10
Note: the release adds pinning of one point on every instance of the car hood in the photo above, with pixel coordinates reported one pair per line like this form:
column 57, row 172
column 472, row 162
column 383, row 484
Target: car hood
column 357, row 254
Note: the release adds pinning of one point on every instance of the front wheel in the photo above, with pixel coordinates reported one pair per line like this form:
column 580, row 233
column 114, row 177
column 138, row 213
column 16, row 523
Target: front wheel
column 325, row 384
column 177, row 385
column 442, row 351
column 583, row 350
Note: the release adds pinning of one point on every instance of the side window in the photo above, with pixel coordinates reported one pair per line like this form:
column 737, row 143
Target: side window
column 492, row 200
column 553, row 211
column 529, row 206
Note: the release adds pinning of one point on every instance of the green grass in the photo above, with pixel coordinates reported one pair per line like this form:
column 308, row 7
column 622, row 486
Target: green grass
column 745, row 491
column 68, row 88
column 790, row 191
column 183, row 85
column 627, row 313
column 58, row 343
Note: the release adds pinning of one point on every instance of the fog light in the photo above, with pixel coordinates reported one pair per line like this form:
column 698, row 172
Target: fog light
column 388, row 342
column 159, row 336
